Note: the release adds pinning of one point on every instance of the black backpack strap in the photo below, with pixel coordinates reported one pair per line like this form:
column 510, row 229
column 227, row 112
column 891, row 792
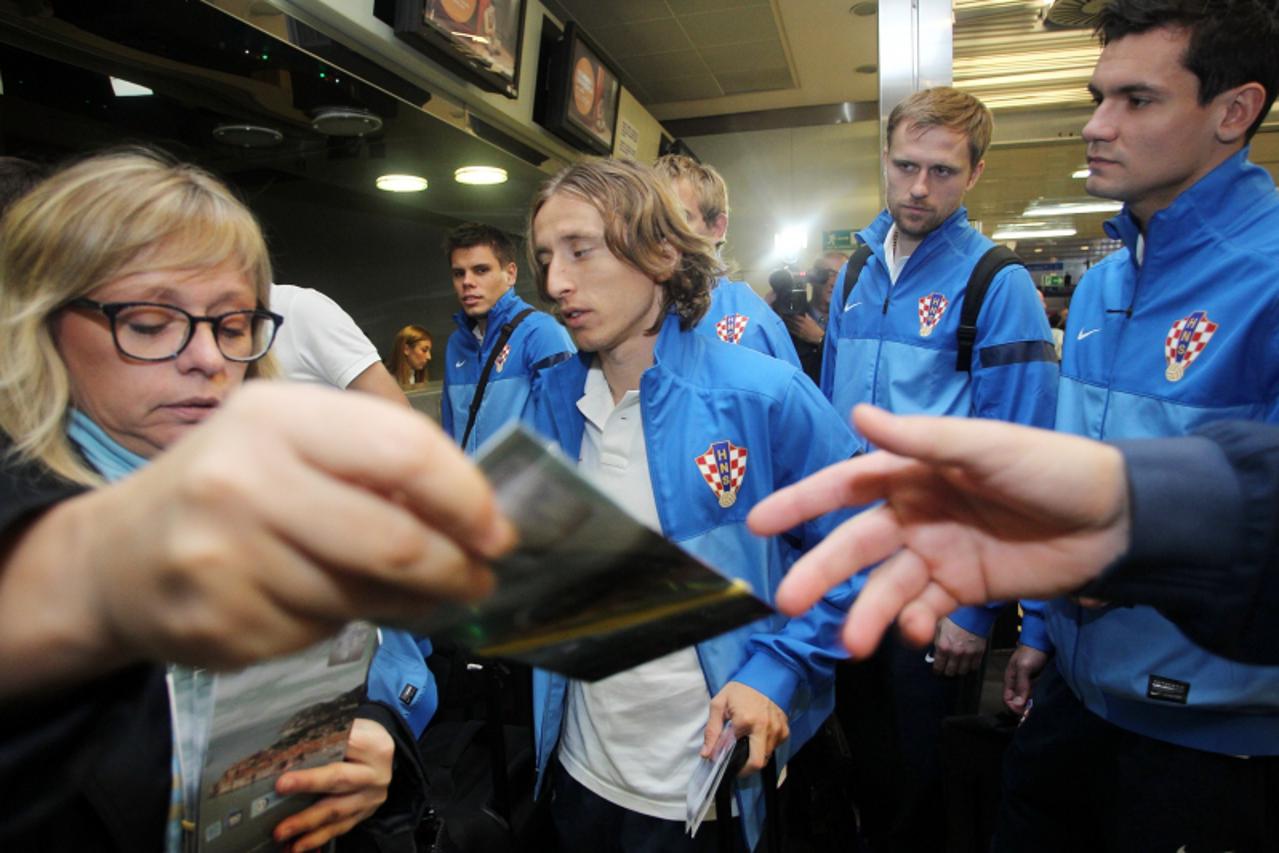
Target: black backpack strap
column 854, row 271
column 508, row 328
column 995, row 259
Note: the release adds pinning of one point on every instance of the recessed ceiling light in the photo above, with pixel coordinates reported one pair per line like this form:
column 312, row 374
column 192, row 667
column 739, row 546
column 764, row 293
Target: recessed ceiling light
column 345, row 121
column 401, row 183
column 247, row 135
column 1067, row 208
column 480, row 175
column 1032, row 233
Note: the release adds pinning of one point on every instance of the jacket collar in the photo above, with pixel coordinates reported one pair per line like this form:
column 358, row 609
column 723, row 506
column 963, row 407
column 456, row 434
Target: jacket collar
column 949, row 233
column 674, row 345
column 506, row 307
column 1216, row 203
column 565, row 382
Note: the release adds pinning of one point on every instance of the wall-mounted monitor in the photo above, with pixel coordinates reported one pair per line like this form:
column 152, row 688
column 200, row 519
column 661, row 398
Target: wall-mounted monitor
column 583, row 94
column 478, row 39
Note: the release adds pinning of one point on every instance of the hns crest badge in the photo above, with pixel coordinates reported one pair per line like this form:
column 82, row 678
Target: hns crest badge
column 1186, row 339
column 931, row 307
column 731, row 327
column 502, row 356
column 723, row 466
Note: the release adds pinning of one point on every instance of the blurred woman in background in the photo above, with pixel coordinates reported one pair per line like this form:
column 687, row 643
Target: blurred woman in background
column 411, row 357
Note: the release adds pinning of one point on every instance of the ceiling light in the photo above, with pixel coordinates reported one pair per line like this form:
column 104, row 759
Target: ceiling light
column 1080, row 174
column 480, row 175
column 127, row 89
column 247, row 135
column 345, row 121
column 401, row 183
column 1069, row 208
column 1032, row 233
column 790, row 241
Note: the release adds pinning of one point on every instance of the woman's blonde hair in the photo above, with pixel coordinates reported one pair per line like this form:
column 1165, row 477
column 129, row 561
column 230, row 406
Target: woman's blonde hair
column 407, row 338
column 107, row 216
column 643, row 224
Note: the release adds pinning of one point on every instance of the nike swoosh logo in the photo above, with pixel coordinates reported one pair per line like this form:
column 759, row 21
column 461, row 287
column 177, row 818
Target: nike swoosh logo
column 460, row 363
column 851, row 307
column 1082, row 334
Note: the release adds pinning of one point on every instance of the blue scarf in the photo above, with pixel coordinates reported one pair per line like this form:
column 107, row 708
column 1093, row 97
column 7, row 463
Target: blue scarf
column 115, row 462
column 103, row 453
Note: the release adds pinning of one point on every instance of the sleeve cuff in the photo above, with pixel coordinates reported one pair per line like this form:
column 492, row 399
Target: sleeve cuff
column 771, row 677
column 1183, row 503
column 1034, row 631
column 976, row 620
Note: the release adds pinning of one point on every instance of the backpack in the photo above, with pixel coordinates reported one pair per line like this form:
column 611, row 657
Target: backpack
column 994, row 260
column 478, row 757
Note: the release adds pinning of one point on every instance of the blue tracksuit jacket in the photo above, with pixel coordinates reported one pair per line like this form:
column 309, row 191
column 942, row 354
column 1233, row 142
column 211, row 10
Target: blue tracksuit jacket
column 738, row 315
column 699, row 392
column 895, row 345
column 1158, row 348
column 538, row 342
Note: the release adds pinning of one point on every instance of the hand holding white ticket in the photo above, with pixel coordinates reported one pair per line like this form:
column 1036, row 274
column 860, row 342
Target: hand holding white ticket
column 706, row 778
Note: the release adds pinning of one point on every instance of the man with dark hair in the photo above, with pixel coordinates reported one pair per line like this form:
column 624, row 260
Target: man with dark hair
column 1174, row 330
column 687, row 434
column 893, row 339
column 737, row 314
column 483, row 358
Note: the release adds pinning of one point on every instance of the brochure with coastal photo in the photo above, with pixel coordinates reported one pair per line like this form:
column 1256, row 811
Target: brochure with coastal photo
column 285, row 714
column 589, row 591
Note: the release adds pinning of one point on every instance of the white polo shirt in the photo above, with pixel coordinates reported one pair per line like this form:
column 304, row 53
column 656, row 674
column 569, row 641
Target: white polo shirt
column 634, row 738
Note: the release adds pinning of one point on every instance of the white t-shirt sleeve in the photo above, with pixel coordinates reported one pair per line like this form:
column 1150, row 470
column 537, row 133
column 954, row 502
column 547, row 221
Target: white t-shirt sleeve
column 319, row 342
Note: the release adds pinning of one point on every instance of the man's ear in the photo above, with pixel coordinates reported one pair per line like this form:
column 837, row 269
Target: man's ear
column 511, row 272
column 670, row 260
column 719, row 228
column 977, row 171
column 1243, row 105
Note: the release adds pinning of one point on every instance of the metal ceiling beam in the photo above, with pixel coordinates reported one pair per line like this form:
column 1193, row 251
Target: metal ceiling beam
column 814, row 116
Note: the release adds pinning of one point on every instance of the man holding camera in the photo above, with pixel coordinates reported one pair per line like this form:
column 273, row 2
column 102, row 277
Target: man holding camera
column 894, row 340
column 808, row 327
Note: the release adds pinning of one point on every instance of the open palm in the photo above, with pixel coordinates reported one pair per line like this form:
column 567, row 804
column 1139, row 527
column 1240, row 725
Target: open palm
column 968, row 511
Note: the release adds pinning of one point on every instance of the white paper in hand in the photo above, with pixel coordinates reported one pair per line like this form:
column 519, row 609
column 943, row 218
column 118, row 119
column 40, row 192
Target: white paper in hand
column 706, row 779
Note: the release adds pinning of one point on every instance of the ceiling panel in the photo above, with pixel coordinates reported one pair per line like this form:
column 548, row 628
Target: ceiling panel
column 760, row 80
column 665, row 66
column 741, row 38
column 709, row 29
column 609, row 12
column 691, row 88
column 690, row 7
column 642, row 37
column 745, row 57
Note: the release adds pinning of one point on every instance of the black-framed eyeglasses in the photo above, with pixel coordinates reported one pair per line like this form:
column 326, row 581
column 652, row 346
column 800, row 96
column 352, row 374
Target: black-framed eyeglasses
column 153, row 331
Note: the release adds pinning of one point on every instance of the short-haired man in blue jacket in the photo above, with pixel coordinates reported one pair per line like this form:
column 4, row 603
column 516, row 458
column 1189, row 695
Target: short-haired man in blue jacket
column 892, row 340
column 1172, row 331
column 646, row 408
column 736, row 314
column 482, row 264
